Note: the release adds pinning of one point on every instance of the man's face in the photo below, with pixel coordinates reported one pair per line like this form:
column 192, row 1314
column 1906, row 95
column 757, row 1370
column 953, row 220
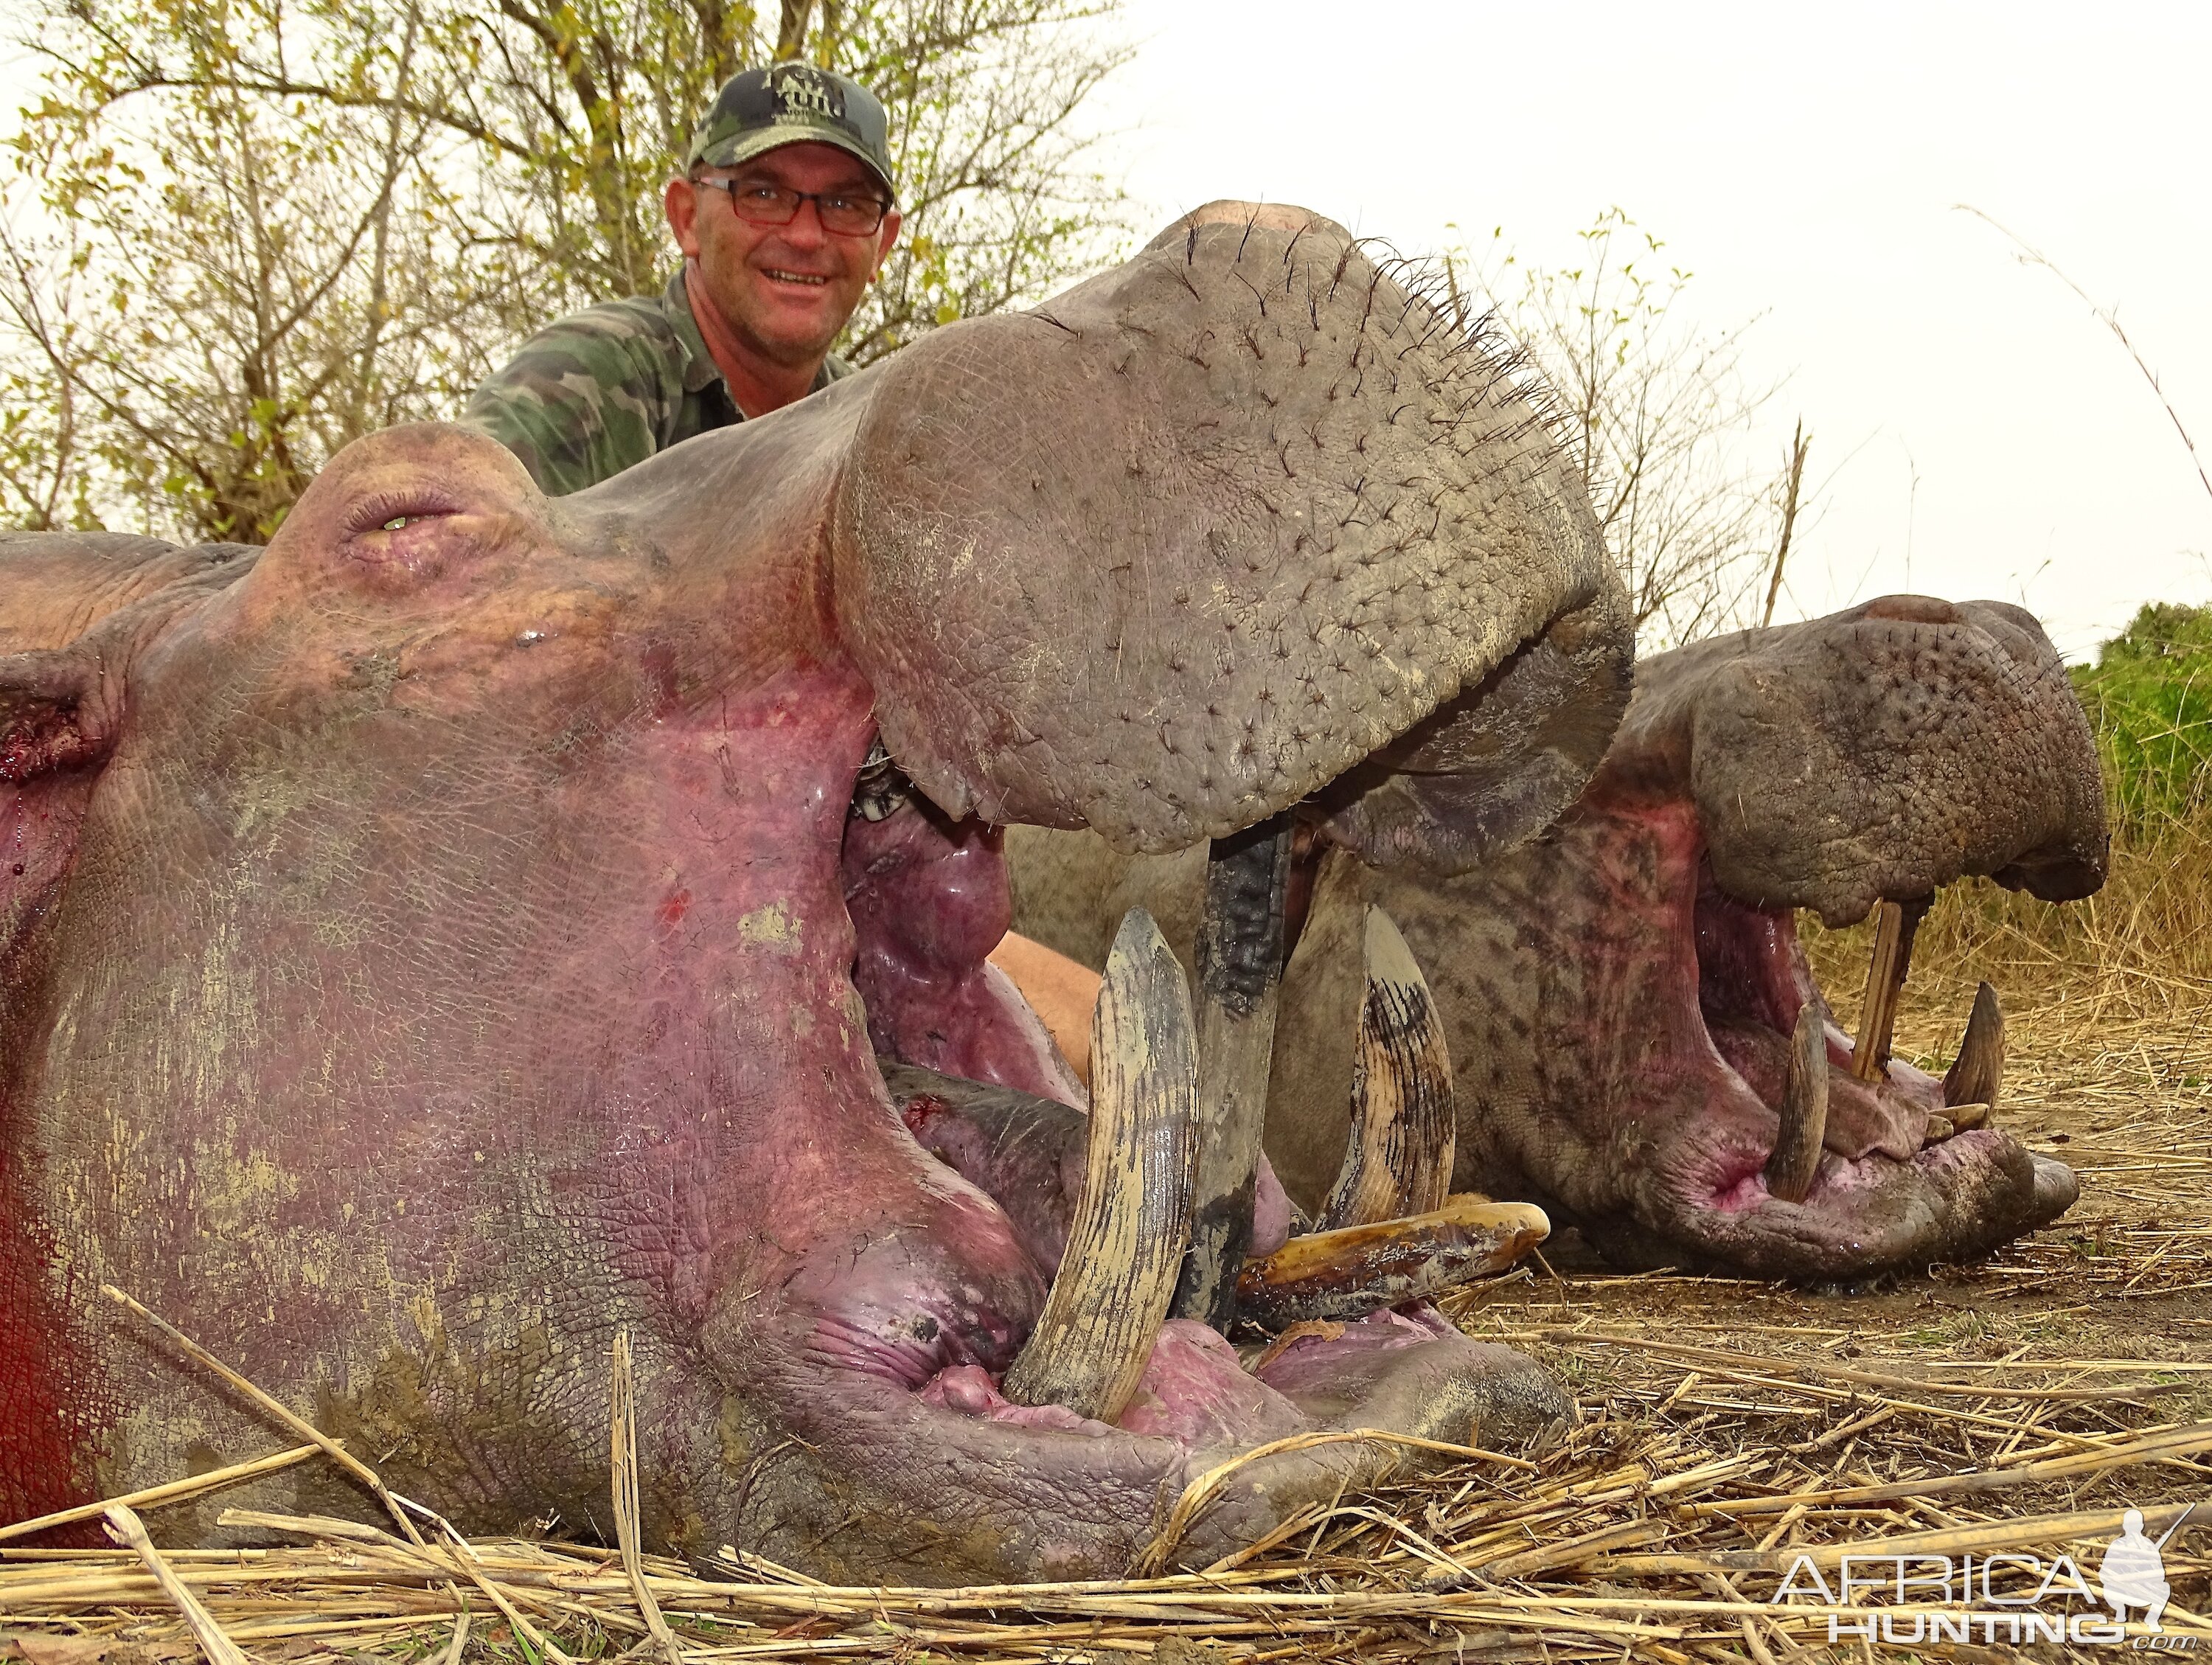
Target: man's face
column 785, row 291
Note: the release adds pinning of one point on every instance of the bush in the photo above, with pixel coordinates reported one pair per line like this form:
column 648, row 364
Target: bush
column 2149, row 697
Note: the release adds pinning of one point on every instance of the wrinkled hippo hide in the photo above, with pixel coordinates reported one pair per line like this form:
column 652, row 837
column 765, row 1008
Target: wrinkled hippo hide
column 1619, row 993
column 445, row 939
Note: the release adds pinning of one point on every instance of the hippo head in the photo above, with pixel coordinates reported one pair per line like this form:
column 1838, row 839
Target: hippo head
column 444, row 946
column 1640, row 1038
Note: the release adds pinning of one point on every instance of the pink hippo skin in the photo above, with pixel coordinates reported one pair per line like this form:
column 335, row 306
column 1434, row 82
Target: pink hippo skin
column 446, row 942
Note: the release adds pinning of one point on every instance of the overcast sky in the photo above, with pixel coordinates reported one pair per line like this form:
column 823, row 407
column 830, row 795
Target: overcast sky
column 1802, row 162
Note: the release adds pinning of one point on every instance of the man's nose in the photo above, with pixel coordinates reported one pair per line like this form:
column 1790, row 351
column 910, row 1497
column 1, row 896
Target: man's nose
column 806, row 230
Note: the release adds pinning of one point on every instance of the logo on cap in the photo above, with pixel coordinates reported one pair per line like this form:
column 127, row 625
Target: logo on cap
column 803, row 89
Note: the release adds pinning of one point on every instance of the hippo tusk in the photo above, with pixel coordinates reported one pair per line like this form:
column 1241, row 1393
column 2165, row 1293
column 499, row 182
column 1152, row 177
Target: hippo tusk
column 1796, row 1156
column 1399, row 1158
column 1240, row 970
column 1350, row 1272
column 1977, row 1075
column 1895, row 923
column 1133, row 1220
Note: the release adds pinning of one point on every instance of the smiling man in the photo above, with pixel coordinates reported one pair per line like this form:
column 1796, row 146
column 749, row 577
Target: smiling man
column 784, row 213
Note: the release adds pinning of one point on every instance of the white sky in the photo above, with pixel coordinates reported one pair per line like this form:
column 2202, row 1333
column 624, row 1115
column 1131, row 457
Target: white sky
column 1802, row 161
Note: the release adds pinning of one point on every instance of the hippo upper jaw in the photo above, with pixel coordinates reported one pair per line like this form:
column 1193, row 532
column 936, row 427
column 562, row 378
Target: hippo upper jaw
column 1882, row 752
column 1319, row 517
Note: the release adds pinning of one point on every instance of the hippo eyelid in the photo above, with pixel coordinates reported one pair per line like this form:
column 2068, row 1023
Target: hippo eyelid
column 393, row 510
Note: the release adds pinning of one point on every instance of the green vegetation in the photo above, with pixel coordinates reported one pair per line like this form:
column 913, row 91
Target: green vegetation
column 2149, row 696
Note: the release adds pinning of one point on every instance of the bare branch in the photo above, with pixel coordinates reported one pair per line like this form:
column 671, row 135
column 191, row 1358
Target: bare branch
column 2029, row 255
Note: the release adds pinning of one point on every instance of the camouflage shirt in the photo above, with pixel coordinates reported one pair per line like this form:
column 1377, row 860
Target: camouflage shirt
column 607, row 387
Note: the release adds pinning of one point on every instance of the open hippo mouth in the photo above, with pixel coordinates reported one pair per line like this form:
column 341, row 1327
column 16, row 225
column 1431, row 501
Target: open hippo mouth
column 454, row 941
column 1643, row 1043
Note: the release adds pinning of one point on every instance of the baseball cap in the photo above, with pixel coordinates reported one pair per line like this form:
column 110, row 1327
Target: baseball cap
column 759, row 110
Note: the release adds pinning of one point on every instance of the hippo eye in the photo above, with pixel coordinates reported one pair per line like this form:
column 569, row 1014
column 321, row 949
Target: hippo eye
column 395, row 511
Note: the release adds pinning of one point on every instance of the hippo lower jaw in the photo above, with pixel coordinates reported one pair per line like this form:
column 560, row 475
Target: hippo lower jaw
column 947, row 1482
column 1892, row 1171
column 894, row 1452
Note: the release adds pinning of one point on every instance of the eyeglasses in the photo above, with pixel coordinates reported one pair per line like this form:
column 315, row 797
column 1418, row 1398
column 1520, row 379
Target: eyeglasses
column 760, row 203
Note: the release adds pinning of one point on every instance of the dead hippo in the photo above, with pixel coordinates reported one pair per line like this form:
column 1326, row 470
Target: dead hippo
column 1621, row 995
column 445, row 945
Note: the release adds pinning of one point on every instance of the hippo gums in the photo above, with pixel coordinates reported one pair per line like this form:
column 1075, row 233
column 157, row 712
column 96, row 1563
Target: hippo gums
column 1638, row 1042
column 469, row 929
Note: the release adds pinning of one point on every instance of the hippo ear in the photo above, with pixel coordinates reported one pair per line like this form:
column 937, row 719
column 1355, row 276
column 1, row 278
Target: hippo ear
column 57, row 711
column 56, row 727
column 62, row 700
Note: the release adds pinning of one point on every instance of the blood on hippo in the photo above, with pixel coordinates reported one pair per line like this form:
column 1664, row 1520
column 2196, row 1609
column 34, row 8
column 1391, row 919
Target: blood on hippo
column 460, row 954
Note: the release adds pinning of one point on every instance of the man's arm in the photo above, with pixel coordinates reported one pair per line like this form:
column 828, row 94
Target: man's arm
column 1059, row 991
column 586, row 397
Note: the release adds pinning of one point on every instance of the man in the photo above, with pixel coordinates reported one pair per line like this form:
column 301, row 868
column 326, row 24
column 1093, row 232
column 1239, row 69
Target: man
column 785, row 212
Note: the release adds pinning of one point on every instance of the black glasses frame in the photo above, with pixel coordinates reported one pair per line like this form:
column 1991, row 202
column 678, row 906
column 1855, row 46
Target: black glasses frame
column 834, row 209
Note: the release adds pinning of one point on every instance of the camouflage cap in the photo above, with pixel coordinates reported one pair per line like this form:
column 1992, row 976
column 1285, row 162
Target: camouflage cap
column 759, row 110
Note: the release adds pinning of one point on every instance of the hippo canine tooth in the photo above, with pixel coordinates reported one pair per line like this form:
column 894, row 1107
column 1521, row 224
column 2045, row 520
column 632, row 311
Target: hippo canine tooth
column 1796, row 1155
column 1895, row 924
column 1239, row 955
column 1977, row 1075
column 1398, row 1160
column 1133, row 1221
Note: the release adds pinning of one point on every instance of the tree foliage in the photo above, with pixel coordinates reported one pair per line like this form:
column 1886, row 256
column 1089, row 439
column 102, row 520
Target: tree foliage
column 1660, row 414
column 245, row 232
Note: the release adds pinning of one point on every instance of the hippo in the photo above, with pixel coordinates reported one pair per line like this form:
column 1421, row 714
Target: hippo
column 466, row 933
column 1638, row 1041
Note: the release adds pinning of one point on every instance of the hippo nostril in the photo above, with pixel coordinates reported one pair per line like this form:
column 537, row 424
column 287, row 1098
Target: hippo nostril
column 1913, row 610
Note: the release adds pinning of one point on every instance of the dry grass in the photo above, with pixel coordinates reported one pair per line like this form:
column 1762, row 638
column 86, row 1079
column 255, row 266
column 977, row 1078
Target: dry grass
column 2140, row 948
column 1725, row 1427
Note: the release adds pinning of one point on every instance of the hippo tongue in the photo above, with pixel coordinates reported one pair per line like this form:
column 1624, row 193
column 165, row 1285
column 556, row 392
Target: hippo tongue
column 1753, row 988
